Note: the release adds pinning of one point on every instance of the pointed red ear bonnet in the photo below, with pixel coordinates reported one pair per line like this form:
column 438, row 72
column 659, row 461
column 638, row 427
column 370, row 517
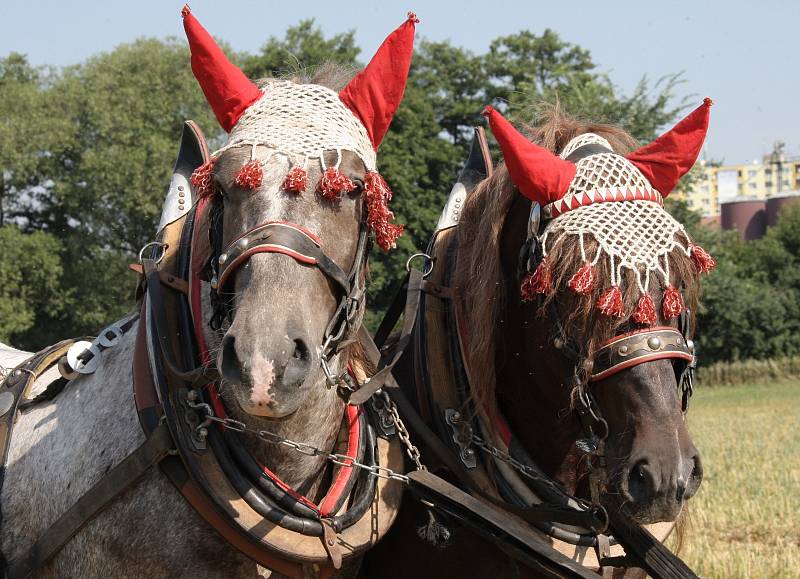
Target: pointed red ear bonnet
column 227, row 89
column 544, row 177
column 301, row 121
column 617, row 200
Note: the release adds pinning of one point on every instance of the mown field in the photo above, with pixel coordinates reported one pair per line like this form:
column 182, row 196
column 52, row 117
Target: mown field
column 745, row 520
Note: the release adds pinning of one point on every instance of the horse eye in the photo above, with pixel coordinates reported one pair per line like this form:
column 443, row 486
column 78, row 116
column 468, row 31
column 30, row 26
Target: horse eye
column 359, row 185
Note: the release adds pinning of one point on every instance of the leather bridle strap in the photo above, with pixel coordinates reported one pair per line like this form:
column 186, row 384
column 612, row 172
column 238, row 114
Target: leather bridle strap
column 119, row 479
column 279, row 237
column 638, row 347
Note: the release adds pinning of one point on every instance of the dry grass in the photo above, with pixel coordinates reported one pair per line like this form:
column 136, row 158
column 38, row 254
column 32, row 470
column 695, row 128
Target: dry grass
column 749, row 371
column 745, row 521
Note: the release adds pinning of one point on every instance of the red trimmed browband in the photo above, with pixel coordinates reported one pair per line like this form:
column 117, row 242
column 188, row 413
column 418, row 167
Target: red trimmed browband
column 574, row 200
column 637, row 347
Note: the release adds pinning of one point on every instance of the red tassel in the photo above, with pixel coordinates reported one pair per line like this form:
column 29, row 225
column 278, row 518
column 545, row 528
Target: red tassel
column 538, row 282
column 334, row 183
column 296, row 180
column 671, row 303
column 610, row 303
column 701, row 258
column 249, row 176
column 378, row 195
column 645, row 312
column 202, row 178
column 582, row 282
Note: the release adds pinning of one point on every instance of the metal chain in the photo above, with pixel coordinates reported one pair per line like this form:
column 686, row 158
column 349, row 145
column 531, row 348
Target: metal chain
column 523, row 468
column 301, row 447
column 505, row 457
column 411, row 450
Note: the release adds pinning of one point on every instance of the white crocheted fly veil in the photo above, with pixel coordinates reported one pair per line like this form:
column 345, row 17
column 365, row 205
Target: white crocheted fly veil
column 589, row 192
column 299, row 122
column 303, row 121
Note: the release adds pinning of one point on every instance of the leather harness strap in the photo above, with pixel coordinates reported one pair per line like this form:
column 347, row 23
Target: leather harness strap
column 113, row 483
column 409, row 306
column 639, row 347
column 480, row 516
column 279, row 237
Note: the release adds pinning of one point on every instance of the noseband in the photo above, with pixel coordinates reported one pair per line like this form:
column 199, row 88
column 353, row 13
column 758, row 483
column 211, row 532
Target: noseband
column 304, row 247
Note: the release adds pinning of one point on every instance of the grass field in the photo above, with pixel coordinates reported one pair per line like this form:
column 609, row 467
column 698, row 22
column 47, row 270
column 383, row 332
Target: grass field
column 745, row 520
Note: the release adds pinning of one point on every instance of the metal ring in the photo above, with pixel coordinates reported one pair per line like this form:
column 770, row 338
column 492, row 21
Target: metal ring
column 115, row 336
column 76, row 364
column 429, row 268
column 160, row 244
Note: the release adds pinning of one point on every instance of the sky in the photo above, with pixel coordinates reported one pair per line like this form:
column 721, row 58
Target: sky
column 742, row 54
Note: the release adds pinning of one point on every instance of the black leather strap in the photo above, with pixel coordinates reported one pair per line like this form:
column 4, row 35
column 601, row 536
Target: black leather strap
column 413, row 287
column 123, row 476
column 490, row 522
column 198, row 376
column 587, row 150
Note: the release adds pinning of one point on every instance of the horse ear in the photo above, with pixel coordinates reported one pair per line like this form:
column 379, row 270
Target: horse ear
column 664, row 161
column 539, row 175
column 227, row 89
column 375, row 93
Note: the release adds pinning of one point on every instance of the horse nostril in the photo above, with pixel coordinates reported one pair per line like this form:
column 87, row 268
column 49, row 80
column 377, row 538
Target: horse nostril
column 300, row 351
column 231, row 367
column 640, row 482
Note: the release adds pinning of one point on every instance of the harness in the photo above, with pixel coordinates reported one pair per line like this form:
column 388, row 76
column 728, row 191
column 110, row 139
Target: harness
column 189, row 435
column 440, row 390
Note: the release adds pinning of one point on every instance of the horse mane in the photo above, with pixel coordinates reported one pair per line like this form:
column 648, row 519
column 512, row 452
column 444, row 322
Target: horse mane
column 480, row 279
column 332, row 75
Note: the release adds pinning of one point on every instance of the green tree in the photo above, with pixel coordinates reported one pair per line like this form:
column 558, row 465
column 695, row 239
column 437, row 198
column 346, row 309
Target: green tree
column 303, row 46
column 93, row 144
column 30, row 271
column 115, row 123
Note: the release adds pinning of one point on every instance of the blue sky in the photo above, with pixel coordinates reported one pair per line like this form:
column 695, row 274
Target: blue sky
column 742, row 54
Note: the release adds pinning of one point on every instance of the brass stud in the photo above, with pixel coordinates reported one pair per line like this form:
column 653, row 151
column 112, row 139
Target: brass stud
column 222, row 258
column 690, row 345
column 558, row 343
column 242, row 243
column 654, row 343
column 623, row 350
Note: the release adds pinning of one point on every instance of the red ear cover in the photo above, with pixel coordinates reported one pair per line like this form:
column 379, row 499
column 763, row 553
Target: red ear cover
column 375, row 93
column 664, row 161
column 227, row 89
column 539, row 175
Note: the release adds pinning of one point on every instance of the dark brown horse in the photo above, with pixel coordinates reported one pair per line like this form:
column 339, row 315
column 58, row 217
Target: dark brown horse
column 529, row 361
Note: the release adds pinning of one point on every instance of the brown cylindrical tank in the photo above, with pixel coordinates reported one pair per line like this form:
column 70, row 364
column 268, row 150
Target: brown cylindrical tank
column 777, row 204
column 749, row 217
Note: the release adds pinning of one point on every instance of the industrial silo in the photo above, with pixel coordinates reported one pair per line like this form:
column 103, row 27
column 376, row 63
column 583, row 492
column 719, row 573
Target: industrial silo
column 747, row 216
column 776, row 204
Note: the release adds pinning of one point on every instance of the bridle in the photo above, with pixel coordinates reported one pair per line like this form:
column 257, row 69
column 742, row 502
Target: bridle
column 624, row 351
column 306, row 248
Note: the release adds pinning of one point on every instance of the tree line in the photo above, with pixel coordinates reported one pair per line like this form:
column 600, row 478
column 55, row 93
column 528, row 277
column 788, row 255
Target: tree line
column 86, row 153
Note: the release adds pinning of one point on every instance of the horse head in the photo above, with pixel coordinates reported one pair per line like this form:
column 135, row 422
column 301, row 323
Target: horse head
column 592, row 332
column 296, row 195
